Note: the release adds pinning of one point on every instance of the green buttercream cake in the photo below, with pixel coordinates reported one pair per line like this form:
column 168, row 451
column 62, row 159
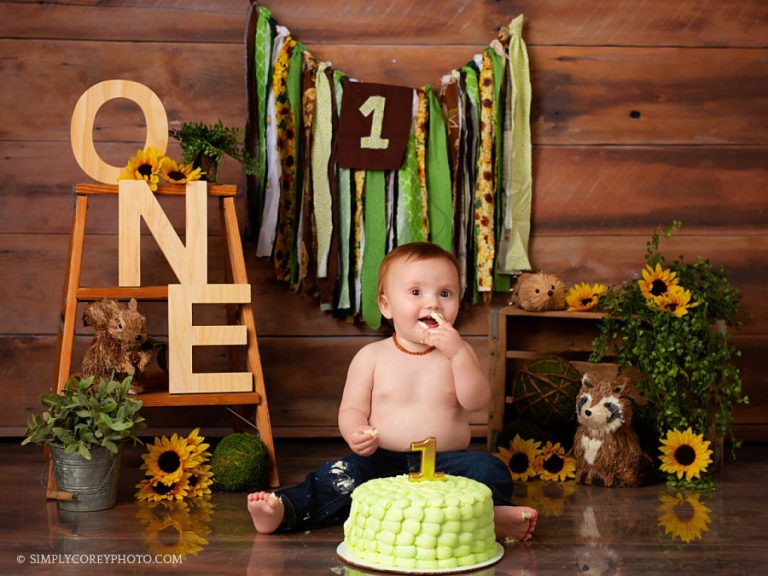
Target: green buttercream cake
column 434, row 524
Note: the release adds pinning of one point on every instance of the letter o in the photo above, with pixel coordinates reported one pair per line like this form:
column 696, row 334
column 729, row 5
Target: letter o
column 81, row 129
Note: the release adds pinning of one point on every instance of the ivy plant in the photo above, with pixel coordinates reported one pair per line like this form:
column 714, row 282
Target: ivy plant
column 213, row 141
column 682, row 350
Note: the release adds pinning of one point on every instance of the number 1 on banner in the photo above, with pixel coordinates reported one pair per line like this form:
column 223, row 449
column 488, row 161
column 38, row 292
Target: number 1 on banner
column 376, row 105
column 428, row 449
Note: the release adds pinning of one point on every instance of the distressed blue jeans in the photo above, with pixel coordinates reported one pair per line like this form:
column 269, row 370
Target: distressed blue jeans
column 325, row 495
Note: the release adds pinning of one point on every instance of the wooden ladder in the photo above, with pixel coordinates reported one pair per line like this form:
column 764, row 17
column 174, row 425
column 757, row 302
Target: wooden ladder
column 74, row 293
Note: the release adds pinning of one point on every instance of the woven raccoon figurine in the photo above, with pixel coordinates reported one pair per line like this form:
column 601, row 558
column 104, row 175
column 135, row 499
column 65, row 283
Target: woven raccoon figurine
column 606, row 448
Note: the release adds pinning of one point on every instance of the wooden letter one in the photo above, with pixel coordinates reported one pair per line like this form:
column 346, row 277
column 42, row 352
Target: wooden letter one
column 190, row 262
column 81, row 127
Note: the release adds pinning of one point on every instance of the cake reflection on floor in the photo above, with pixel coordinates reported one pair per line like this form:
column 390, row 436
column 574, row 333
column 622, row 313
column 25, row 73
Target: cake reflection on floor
column 581, row 529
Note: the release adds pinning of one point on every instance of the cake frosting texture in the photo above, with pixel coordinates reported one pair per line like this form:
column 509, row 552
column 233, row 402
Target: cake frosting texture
column 425, row 525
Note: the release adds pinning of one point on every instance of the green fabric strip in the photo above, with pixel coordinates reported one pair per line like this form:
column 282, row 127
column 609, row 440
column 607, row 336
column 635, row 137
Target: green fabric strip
column 321, row 155
column 409, row 205
column 374, row 246
column 295, row 73
column 518, row 215
column 345, row 212
column 262, row 63
column 501, row 282
column 473, row 99
column 439, row 178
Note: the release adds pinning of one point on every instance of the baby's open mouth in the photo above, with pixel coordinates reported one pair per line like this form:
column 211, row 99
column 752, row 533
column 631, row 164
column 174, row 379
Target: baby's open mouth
column 429, row 322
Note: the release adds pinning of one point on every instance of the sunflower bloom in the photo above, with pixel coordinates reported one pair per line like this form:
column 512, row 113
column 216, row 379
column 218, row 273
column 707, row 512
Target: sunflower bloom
column 676, row 301
column 166, row 460
column 179, row 173
column 683, row 516
column 154, row 490
column 656, row 281
column 171, row 537
column 200, row 513
column 583, row 297
column 520, row 458
column 685, row 453
column 549, row 498
column 200, row 481
column 554, row 464
column 145, row 165
column 197, row 445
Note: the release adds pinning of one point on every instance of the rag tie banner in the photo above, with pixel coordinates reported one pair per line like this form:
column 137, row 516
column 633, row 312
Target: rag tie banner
column 348, row 170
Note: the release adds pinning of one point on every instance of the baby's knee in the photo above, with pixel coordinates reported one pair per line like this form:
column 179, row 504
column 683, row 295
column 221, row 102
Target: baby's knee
column 342, row 476
column 492, row 468
column 489, row 470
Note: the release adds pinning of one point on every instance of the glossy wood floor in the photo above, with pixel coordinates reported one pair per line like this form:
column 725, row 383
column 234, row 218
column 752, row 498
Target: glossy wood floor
column 582, row 530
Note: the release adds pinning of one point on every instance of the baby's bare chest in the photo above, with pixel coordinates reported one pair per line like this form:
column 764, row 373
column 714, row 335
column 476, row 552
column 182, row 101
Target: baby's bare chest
column 415, row 383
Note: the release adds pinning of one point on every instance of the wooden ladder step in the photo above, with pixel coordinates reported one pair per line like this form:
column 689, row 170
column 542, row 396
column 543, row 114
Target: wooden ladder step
column 140, row 293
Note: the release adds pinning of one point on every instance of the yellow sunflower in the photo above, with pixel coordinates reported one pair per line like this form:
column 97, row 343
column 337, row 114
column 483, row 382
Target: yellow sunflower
column 520, row 458
column 145, row 165
column 549, row 498
column 685, row 453
column 170, row 537
column 179, row 173
column 676, row 301
column 200, row 513
column 554, row 464
column 200, row 480
column 154, row 513
column 683, row 516
column 197, row 445
column 167, row 460
column 155, row 490
column 582, row 297
column 656, row 281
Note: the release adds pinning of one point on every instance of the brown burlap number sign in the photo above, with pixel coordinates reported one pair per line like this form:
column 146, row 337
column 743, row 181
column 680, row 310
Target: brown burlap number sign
column 374, row 126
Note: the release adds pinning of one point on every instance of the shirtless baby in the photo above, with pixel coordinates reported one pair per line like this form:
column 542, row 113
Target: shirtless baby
column 423, row 381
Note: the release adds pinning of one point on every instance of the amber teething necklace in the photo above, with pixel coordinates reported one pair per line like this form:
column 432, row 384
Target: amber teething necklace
column 411, row 352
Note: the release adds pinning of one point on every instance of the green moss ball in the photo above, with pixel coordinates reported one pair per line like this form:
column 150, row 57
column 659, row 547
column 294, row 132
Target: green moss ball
column 239, row 463
column 544, row 391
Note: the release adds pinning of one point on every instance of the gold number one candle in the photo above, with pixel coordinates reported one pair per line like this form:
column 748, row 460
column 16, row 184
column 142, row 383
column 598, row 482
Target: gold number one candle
column 428, row 449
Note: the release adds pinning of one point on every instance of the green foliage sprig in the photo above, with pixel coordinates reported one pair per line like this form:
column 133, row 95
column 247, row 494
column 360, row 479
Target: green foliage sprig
column 213, row 141
column 687, row 365
column 85, row 416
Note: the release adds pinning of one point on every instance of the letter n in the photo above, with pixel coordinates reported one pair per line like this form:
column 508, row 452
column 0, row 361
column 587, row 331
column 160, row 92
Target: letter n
column 189, row 262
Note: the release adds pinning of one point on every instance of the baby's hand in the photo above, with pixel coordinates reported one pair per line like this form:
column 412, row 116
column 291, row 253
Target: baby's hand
column 444, row 337
column 364, row 440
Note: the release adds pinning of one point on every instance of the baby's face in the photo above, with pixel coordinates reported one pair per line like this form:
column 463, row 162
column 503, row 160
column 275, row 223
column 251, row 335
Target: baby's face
column 414, row 289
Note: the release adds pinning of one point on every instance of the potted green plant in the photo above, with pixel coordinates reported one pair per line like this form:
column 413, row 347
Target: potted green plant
column 206, row 144
column 673, row 326
column 85, row 427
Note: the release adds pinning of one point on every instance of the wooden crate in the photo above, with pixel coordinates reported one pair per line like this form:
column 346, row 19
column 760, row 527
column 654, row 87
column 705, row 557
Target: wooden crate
column 517, row 335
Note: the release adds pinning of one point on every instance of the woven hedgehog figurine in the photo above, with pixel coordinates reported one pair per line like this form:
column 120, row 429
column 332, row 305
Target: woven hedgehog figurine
column 606, row 447
column 539, row 292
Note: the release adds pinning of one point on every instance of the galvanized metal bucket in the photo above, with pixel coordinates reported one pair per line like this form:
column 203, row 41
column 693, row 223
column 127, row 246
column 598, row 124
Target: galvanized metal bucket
column 93, row 482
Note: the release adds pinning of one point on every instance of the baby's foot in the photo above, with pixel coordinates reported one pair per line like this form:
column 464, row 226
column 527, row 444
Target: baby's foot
column 514, row 522
column 266, row 511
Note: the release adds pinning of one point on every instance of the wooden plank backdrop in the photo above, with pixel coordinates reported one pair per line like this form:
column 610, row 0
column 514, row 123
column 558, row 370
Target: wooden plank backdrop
column 642, row 113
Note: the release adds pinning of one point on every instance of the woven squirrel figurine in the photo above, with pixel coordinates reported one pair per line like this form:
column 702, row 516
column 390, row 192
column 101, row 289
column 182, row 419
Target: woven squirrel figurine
column 120, row 346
